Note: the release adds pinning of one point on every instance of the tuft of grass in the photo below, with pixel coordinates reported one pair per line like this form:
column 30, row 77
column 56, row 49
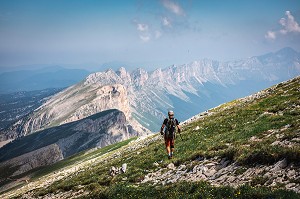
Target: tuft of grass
column 258, row 180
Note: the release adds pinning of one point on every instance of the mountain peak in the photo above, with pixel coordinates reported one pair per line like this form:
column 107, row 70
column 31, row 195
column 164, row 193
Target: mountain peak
column 122, row 69
column 109, row 71
column 287, row 50
column 287, row 53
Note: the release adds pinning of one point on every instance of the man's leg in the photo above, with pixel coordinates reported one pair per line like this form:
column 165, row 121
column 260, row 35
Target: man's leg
column 168, row 144
column 172, row 142
column 168, row 150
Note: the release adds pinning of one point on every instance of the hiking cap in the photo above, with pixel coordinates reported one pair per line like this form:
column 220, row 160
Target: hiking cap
column 170, row 113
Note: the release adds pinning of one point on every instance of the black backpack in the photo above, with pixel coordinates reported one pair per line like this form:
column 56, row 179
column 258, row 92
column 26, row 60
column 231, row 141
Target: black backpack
column 170, row 128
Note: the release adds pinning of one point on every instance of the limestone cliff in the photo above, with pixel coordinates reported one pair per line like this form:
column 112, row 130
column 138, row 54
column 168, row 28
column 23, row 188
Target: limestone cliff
column 53, row 144
column 74, row 103
column 41, row 157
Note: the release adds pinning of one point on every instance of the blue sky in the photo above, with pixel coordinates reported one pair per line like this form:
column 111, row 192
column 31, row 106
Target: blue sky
column 143, row 33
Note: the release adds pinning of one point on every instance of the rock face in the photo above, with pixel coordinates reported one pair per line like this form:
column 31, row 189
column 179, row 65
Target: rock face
column 56, row 143
column 72, row 104
column 41, row 157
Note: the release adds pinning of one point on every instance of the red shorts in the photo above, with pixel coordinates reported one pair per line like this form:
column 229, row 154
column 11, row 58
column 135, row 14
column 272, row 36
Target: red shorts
column 169, row 142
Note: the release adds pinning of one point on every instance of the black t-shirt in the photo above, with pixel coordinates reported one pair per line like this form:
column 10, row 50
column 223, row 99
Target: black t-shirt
column 167, row 119
column 170, row 126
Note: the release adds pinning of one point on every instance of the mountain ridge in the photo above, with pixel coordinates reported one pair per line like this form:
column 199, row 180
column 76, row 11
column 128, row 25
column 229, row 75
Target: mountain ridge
column 53, row 144
column 196, row 78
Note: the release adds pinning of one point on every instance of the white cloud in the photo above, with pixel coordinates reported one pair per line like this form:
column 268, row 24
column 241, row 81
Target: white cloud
column 145, row 38
column 166, row 22
column 142, row 27
column 144, row 31
column 173, row 7
column 289, row 25
column 270, row 35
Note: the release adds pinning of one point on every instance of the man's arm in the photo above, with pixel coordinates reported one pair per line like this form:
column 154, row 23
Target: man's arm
column 178, row 127
column 162, row 129
column 163, row 126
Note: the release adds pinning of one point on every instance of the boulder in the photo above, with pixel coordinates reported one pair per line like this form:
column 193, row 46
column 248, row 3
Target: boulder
column 171, row 166
column 123, row 168
column 113, row 171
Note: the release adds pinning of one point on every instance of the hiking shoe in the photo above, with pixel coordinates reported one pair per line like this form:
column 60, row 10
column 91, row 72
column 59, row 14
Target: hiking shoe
column 169, row 157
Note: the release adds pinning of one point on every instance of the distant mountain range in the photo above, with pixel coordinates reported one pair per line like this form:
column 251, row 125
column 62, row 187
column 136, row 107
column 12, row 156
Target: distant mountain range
column 146, row 96
column 38, row 79
column 198, row 86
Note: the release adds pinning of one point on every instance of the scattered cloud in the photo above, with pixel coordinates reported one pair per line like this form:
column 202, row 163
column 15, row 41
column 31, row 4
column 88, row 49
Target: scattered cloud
column 142, row 27
column 145, row 38
column 289, row 25
column 173, row 7
column 270, row 35
column 170, row 19
column 143, row 31
column 166, row 22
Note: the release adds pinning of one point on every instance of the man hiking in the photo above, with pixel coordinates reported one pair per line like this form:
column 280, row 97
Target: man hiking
column 170, row 125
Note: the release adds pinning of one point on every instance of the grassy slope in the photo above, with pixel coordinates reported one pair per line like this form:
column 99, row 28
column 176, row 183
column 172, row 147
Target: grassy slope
column 224, row 133
column 84, row 156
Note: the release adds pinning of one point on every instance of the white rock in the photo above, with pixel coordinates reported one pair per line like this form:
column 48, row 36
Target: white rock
column 171, row 166
column 155, row 164
column 210, row 172
column 209, row 165
column 182, row 167
column 124, row 167
column 197, row 128
column 113, row 171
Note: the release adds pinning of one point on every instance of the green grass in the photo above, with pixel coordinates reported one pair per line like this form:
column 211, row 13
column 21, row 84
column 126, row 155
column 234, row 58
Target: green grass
column 191, row 190
column 82, row 156
column 72, row 160
column 225, row 133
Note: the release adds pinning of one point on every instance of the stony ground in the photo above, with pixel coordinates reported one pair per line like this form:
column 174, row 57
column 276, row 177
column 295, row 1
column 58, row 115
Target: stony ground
column 223, row 172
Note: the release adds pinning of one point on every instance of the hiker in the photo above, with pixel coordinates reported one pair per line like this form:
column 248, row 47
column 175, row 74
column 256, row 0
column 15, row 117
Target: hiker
column 170, row 125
